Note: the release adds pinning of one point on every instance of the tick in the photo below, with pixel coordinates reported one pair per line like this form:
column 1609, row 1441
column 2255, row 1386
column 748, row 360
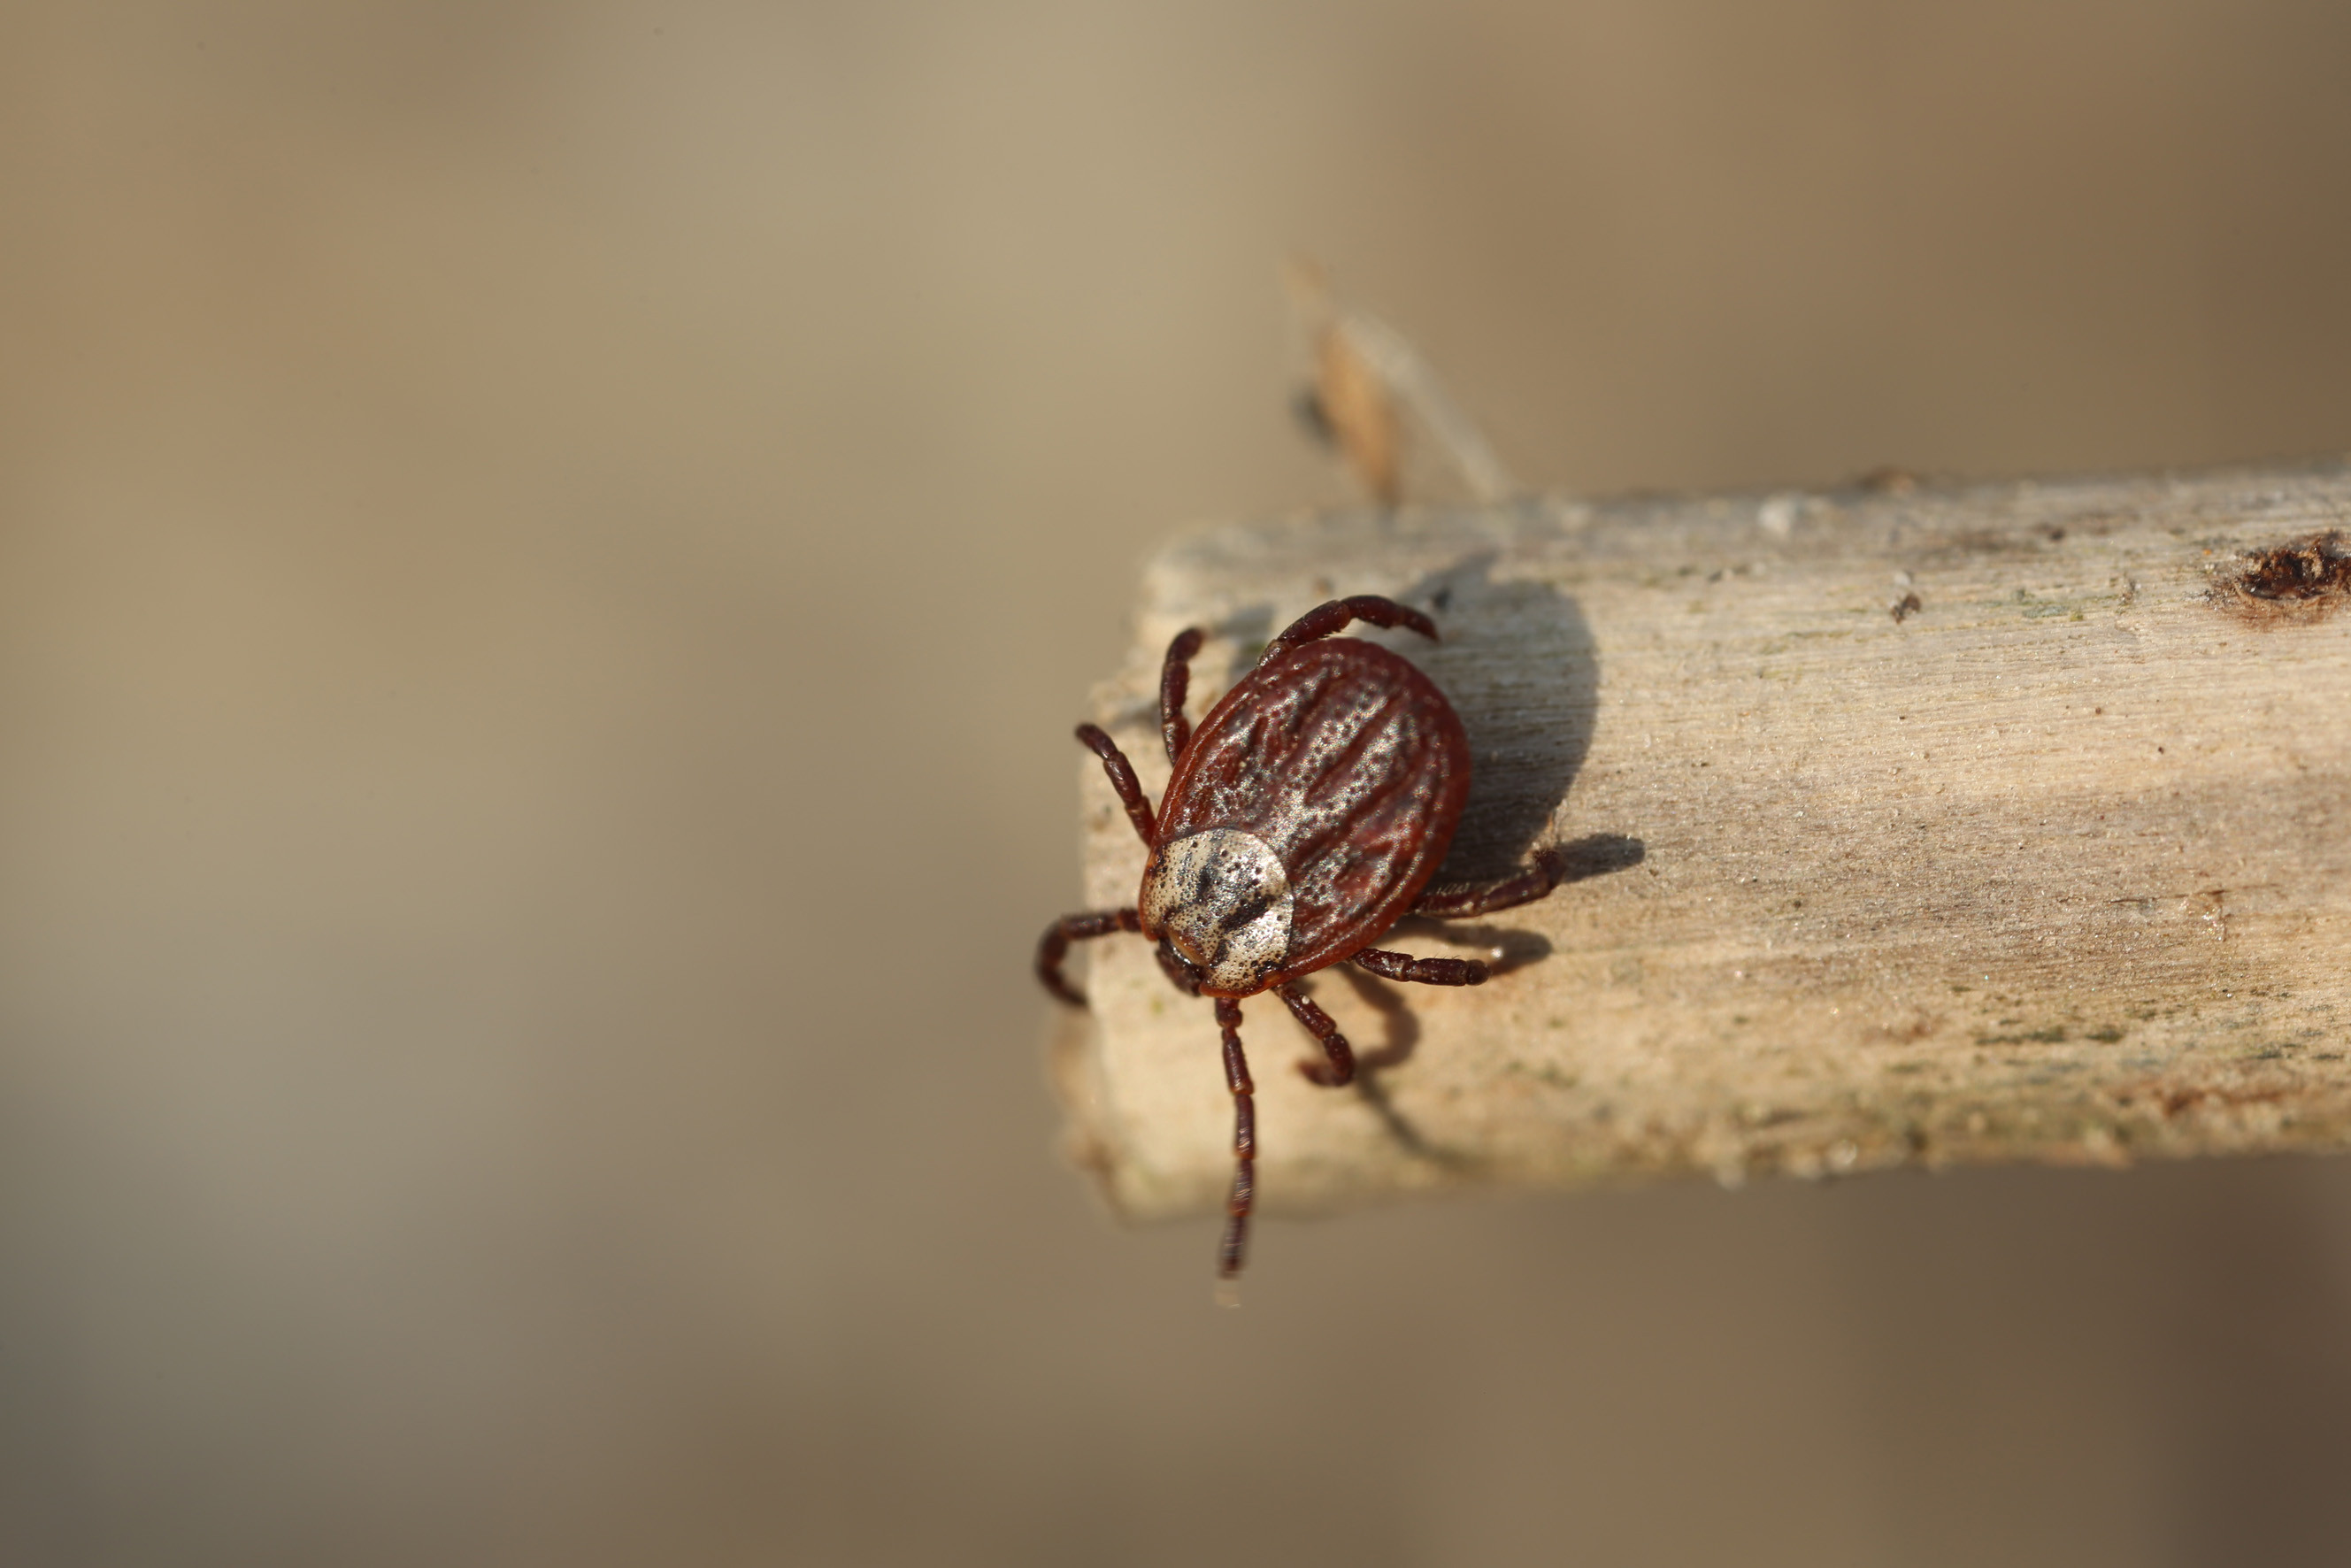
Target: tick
column 1305, row 817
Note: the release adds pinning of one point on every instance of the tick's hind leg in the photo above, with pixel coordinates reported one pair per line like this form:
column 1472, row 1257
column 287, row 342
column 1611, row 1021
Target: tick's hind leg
column 1054, row 945
column 1422, row 971
column 1229, row 1252
column 1324, row 620
column 1174, row 683
column 1339, row 1069
column 1466, row 899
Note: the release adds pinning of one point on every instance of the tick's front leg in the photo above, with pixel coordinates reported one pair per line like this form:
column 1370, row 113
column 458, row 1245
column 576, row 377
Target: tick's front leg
column 1054, row 945
column 1179, row 971
column 1232, row 1249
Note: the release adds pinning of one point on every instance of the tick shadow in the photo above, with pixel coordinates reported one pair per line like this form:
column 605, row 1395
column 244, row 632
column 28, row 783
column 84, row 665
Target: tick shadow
column 1249, row 630
column 1507, row 948
column 1400, row 1031
column 1519, row 665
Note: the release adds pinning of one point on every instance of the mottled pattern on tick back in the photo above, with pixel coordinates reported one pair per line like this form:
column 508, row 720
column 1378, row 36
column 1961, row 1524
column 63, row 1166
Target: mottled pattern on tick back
column 1347, row 762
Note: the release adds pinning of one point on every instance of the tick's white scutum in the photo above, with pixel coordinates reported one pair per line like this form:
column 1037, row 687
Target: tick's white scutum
column 1223, row 899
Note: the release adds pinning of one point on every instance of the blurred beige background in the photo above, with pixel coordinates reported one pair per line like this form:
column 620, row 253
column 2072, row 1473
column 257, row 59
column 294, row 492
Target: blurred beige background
column 548, row 556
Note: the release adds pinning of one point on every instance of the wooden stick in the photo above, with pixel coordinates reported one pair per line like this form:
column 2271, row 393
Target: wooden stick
column 2001, row 822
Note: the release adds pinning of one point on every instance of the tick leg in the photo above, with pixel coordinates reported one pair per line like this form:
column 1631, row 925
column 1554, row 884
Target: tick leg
column 1054, row 945
column 1325, row 619
column 1175, row 680
column 1339, row 1069
column 1470, row 898
column 1178, row 969
column 1237, row 1078
column 1422, row 971
column 1122, row 777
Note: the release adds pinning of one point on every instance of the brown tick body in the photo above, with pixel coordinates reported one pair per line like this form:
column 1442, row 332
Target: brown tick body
column 1304, row 818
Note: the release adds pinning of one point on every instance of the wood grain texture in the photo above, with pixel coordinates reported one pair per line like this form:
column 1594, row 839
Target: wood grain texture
column 1965, row 824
